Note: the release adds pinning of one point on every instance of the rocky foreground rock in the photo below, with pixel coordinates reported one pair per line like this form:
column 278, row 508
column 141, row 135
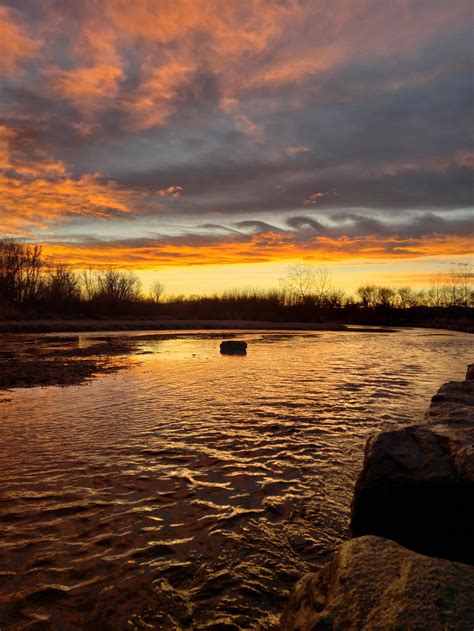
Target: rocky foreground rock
column 416, row 490
column 375, row 584
column 417, row 483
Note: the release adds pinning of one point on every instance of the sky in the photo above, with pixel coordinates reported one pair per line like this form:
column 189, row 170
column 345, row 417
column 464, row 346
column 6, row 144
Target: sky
column 211, row 143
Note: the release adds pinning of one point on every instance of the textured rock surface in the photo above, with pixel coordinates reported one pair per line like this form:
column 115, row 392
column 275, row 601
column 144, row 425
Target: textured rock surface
column 417, row 483
column 453, row 402
column 372, row 583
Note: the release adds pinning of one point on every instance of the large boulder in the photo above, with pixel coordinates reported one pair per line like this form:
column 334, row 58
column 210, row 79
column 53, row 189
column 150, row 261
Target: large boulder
column 417, row 488
column 374, row 584
column 417, row 483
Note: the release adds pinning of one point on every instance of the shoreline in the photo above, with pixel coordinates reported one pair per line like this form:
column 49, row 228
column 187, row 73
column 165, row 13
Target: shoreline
column 91, row 326
column 59, row 362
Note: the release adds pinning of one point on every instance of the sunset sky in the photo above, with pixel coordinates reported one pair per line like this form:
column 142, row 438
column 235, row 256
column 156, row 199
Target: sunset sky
column 210, row 143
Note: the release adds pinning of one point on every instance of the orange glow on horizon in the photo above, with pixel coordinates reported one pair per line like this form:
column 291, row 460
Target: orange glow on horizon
column 262, row 248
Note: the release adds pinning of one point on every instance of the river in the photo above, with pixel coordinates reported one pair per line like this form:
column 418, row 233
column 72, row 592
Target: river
column 192, row 489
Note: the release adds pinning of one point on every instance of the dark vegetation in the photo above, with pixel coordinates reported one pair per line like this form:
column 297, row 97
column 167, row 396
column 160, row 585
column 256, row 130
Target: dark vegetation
column 31, row 287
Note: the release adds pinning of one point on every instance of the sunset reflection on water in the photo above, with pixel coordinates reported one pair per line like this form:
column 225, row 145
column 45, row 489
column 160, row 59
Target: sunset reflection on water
column 195, row 487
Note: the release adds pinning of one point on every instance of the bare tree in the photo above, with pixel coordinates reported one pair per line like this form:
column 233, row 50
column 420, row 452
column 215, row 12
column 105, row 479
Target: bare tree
column 117, row 287
column 436, row 294
column 368, row 296
column 385, row 296
column 20, row 271
column 372, row 296
column 335, row 299
column 464, row 274
column 405, row 297
column 304, row 282
column 454, row 286
column 89, row 284
column 156, row 291
column 61, row 284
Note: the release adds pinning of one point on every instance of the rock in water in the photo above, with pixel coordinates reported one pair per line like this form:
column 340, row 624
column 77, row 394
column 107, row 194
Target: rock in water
column 374, row 584
column 234, row 347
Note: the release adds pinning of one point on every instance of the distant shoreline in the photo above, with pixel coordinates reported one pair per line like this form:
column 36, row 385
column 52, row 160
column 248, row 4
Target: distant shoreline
column 90, row 326
column 174, row 324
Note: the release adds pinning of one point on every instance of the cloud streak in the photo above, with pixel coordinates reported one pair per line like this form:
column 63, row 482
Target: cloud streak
column 350, row 236
column 263, row 248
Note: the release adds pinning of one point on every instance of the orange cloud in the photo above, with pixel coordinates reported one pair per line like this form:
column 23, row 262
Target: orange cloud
column 245, row 45
column 433, row 164
column 153, row 100
column 249, row 128
column 88, row 88
column 313, row 199
column 294, row 150
column 268, row 247
column 18, row 154
column 171, row 191
column 15, row 43
column 39, row 202
column 36, row 190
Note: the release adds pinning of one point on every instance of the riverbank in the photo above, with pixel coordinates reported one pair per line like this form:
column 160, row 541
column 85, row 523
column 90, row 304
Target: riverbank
column 177, row 324
column 76, row 326
column 58, row 361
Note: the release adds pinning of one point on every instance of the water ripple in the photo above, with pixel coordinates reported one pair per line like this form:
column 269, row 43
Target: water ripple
column 193, row 489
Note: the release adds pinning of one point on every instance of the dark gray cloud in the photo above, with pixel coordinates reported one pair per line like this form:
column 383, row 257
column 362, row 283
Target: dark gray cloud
column 298, row 229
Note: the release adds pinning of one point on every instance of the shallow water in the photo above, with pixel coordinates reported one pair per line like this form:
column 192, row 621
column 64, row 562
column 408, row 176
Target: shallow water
column 191, row 490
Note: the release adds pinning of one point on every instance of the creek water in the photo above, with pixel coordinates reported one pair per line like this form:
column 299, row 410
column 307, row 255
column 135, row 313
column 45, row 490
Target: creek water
column 192, row 489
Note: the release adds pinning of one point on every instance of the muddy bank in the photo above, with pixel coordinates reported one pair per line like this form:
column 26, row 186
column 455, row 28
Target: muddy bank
column 58, row 361
column 175, row 324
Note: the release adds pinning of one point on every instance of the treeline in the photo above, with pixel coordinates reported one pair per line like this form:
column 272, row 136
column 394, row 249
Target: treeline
column 335, row 307
column 33, row 286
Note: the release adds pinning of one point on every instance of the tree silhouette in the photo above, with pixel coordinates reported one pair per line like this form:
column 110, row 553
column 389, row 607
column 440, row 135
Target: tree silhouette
column 304, row 283
column 156, row 291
